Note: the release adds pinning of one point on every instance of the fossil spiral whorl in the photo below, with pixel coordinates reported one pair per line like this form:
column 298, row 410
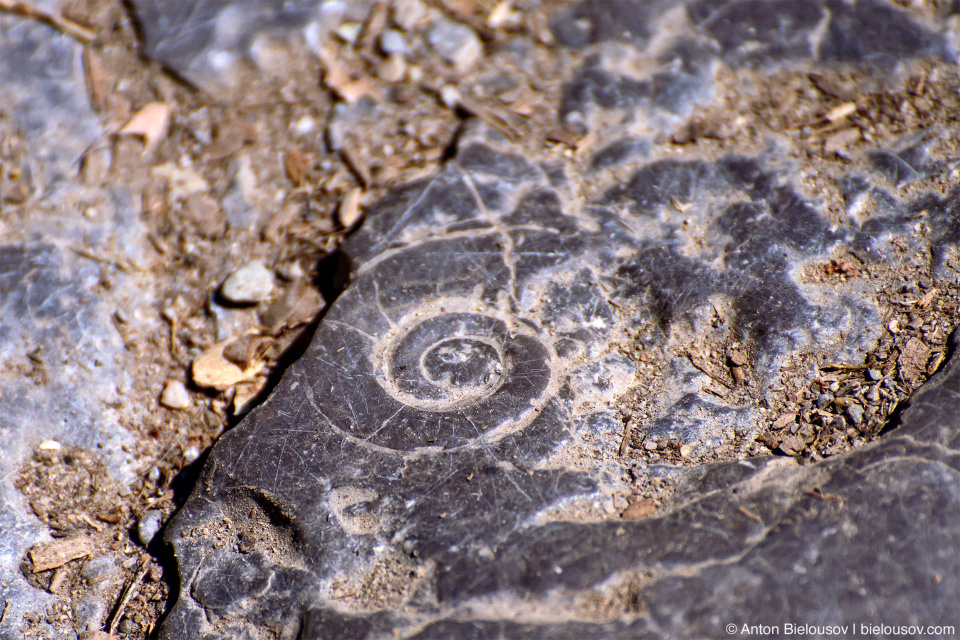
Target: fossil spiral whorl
column 470, row 372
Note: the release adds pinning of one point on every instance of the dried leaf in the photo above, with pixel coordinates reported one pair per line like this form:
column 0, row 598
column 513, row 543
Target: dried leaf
column 300, row 303
column 839, row 141
column 245, row 351
column 95, row 79
column 246, row 393
column 357, row 164
column 230, row 136
column 376, row 21
column 278, row 221
column 212, row 370
column 784, row 420
column 913, row 359
column 297, row 166
column 151, row 123
column 341, row 81
column 205, row 215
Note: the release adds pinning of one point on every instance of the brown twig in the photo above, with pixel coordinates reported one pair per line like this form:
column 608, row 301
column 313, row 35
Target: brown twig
column 128, row 594
column 710, row 374
column 69, row 27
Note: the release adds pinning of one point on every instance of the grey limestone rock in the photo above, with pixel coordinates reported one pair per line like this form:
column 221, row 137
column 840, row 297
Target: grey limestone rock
column 200, row 39
column 70, row 388
column 442, row 460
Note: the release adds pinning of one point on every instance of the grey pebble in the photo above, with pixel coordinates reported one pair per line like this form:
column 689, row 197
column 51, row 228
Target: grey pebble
column 824, row 400
column 456, row 43
column 874, row 374
column 252, row 282
column 148, row 525
column 855, row 413
column 393, row 42
column 89, row 613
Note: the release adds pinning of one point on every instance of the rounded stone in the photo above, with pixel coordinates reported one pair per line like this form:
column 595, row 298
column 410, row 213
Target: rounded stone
column 251, row 283
column 147, row 526
column 176, row 396
column 855, row 413
column 392, row 41
column 457, row 44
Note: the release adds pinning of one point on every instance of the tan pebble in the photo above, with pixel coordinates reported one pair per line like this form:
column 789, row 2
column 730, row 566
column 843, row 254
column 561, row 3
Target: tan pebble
column 349, row 211
column 393, row 69
column 639, row 509
column 686, row 450
column 175, row 396
column 841, row 111
column 50, row 445
column 212, row 370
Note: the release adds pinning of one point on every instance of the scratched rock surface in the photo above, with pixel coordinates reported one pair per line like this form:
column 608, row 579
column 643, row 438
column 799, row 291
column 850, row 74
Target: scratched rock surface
column 440, row 462
column 443, row 460
column 205, row 41
column 71, row 387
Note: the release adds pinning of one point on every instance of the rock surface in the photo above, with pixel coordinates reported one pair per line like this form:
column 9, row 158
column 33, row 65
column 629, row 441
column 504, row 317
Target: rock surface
column 61, row 365
column 446, row 458
column 563, row 393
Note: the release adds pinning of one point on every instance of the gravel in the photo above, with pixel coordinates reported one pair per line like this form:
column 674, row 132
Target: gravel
column 251, row 283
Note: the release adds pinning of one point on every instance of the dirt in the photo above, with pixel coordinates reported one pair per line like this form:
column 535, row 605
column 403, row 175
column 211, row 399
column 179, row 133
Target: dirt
column 857, row 399
column 303, row 187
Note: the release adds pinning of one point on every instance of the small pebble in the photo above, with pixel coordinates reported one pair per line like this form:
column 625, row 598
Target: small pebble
column 349, row 31
column 407, row 13
column 824, row 400
column 393, row 42
column 303, row 126
column 650, row 445
column 190, row 454
column 252, row 282
column 456, row 43
column 291, row 271
column 855, row 413
column 450, row 96
column 686, row 450
column 874, row 374
column 147, row 526
column 349, row 211
column 393, row 69
column 175, row 396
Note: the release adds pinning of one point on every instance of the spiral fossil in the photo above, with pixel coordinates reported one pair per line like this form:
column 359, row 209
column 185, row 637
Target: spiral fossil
column 473, row 372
